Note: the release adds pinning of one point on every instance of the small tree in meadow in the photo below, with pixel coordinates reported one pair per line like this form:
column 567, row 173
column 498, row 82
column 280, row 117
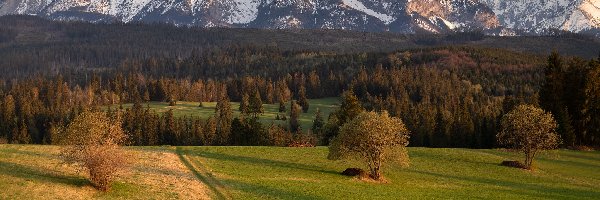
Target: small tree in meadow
column 373, row 138
column 92, row 141
column 529, row 130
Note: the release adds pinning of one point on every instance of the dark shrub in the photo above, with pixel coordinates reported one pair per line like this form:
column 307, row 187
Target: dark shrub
column 355, row 172
column 513, row 163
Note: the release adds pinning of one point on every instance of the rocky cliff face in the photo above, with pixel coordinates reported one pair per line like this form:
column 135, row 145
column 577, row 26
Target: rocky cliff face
column 406, row 16
column 538, row 16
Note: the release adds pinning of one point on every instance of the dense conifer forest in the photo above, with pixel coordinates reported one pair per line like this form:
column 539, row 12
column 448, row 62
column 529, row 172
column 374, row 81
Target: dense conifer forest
column 450, row 91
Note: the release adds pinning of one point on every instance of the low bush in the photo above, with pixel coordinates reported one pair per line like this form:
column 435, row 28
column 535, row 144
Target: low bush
column 514, row 163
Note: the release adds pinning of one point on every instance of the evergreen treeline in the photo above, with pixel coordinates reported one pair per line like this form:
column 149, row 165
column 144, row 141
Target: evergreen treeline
column 572, row 93
column 448, row 97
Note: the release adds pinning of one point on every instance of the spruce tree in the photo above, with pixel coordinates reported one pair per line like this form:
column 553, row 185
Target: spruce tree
column 146, row 95
column 350, row 108
column 281, row 105
column 210, row 131
column 8, row 116
column 552, row 97
column 21, row 135
column 294, row 117
column 270, row 92
column 255, row 105
column 318, row 123
column 223, row 117
column 302, row 99
column 244, row 104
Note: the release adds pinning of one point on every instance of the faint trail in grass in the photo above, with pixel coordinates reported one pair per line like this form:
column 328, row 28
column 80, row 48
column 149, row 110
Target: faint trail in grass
column 198, row 169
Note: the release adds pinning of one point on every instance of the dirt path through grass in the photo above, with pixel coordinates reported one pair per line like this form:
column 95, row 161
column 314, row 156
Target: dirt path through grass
column 201, row 172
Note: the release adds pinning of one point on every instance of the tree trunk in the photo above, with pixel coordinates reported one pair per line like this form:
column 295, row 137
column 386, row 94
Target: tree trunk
column 376, row 169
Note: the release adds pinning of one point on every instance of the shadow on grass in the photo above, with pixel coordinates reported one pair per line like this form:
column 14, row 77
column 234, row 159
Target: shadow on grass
column 592, row 156
column 28, row 153
column 203, row 175
column 26, row 172
column 261, row 161
column 525, row 189
column 265, row 192
column 454, row 158
column 571, row 163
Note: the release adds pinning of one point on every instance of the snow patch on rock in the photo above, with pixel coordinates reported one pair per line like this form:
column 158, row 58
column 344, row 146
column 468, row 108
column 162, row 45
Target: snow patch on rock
column 357, row 5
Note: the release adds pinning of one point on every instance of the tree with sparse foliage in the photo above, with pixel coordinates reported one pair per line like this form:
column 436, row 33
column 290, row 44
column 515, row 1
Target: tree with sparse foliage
column 373, row 138
column 529, row 130
column 92, row 141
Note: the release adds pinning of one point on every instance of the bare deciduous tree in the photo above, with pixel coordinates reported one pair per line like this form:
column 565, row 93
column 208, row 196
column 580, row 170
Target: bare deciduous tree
column 92, row 142
column 529, row 130
column 373, row 138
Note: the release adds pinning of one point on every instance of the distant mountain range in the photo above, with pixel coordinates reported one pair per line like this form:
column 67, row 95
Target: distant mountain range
column 494, row 17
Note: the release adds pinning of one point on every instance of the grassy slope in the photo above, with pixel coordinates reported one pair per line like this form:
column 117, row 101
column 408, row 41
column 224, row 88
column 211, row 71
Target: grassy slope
column 36, row 172
column 326, row 105
column 305, row 173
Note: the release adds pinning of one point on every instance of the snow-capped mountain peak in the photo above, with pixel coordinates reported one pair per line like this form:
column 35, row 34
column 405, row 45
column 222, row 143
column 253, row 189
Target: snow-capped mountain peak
column 407, row 16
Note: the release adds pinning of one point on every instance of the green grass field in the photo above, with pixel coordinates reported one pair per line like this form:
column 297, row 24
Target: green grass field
column 34, row 172
column 305, row 173
column 183, row 108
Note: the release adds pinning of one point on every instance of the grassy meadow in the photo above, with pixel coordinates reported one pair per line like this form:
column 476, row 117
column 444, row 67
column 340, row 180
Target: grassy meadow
column 305, row 173
column 35, row 172
column 184, row 108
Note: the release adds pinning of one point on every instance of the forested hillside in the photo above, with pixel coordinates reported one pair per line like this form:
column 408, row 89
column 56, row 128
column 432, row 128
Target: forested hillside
column 448, row 96
column 30, row 45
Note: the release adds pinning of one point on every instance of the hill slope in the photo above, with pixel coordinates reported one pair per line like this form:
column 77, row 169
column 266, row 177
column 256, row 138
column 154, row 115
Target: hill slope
column 305, row 173
column 34, row 172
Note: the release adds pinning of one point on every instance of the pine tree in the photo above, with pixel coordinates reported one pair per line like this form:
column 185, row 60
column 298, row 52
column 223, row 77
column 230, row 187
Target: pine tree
column 168, row 130
column 349, row 109
column 238, row 131
column 591, row 108
column 270, row 91
column 8, row 116
column 255, row 105
column 210, row 131
column 21, row 135
column 281, row 104
column 223, row 117
column 146, row 95
column 294, row 117
column 318, row 123
column 197, row 132
column 552, row 97
column 302, row 99
column 244, row 104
